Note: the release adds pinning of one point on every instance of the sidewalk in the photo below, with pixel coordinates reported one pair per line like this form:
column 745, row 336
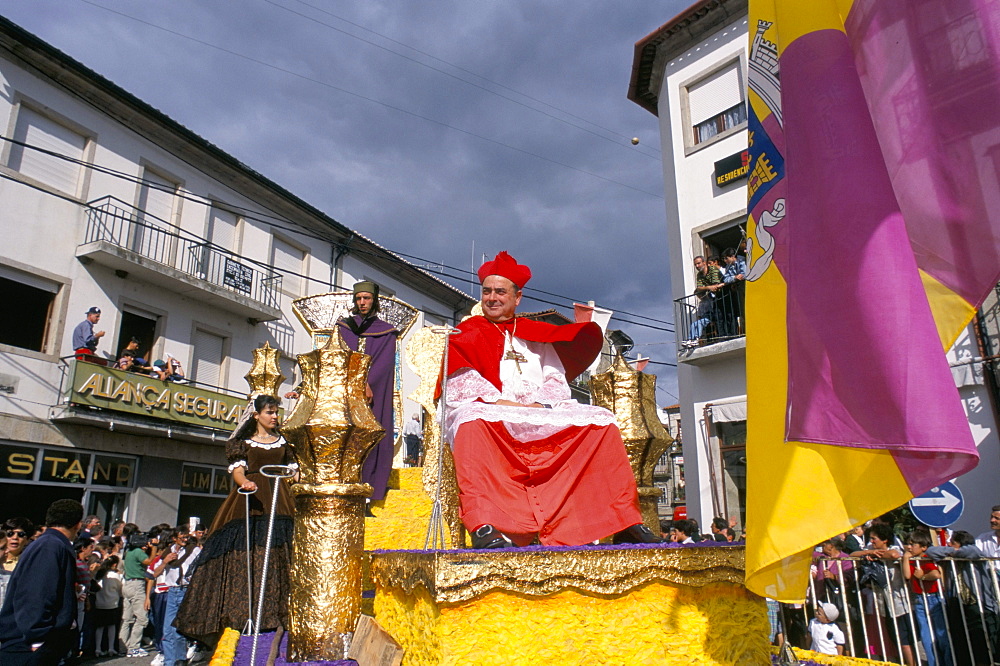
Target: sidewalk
column 201, row 658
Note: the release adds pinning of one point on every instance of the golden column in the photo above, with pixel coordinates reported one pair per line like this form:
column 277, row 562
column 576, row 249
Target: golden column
column 631, row 395
column 331, row 429
column 265, row 375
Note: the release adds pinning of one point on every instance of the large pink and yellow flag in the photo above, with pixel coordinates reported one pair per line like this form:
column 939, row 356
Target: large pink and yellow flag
column 874, row 197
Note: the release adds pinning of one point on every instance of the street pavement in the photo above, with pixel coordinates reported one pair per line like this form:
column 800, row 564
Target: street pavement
column 201, row 658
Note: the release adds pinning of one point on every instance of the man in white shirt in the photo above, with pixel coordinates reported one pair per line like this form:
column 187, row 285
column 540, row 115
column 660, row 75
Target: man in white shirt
column 176, row 574
column 989, row 542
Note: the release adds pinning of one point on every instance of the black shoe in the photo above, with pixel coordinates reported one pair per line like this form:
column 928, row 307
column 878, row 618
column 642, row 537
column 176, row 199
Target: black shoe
column 487, row 536
column 638, row 533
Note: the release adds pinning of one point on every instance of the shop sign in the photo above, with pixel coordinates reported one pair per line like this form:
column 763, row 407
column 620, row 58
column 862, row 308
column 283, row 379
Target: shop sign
column 22, row 463
column 113, row 471
column 129, row 392
column 205, row 480
column 732, row 168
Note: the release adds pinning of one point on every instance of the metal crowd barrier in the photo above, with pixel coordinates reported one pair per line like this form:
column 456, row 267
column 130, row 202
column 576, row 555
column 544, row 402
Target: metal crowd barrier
column 967, row 596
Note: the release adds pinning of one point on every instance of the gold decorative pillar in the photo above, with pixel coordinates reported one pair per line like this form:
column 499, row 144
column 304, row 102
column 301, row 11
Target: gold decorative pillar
column 331, row 429
column 265, row 375
column 631, row 395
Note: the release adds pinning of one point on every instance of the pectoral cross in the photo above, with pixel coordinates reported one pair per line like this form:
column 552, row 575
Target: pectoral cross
column 517, row 357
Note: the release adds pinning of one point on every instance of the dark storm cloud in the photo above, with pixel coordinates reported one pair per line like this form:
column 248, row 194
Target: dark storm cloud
column 478, row 170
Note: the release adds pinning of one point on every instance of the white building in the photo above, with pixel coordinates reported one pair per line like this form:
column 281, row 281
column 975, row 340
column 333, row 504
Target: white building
column 691, row 74
column 109, row 203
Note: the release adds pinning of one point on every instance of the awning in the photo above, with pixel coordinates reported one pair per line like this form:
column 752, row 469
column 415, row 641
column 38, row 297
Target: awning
column 729, row 410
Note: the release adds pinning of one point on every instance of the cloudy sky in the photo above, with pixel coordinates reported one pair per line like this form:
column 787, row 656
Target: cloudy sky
column 442, row 129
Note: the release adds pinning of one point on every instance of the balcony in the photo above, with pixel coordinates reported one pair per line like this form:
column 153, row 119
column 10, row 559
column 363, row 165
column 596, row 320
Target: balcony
column 710, row 329
column 130, row 240
column 119, row 401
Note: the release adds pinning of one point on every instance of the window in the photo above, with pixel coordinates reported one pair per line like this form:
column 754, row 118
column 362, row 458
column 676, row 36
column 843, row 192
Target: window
column 733, row 447
column 288, row 260
column 716, row 103
column 726, row 120
column 141, row 326
column 38, row 131
column 206, row 363
column 32, row 299
column 715, row 243
column 156, row 209
column 222, row 229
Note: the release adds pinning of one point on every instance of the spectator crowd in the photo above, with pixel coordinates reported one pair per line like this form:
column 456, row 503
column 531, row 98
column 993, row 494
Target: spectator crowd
column 73, row 591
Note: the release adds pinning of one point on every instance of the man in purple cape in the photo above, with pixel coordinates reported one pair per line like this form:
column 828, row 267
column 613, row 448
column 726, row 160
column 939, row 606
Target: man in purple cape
column 363, row 331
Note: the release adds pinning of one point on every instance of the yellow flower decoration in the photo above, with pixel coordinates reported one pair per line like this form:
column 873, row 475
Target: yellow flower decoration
column 225, row 651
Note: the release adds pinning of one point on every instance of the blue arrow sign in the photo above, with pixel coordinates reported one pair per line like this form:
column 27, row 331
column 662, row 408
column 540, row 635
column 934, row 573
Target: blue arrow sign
column 940, row 506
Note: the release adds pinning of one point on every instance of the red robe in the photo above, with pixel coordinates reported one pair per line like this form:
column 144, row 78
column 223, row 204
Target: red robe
column 571, row 488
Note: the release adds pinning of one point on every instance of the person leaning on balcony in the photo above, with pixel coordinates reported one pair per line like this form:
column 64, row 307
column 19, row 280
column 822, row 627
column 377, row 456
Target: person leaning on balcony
column 169, row 370
column 707, row 283
column 85, row 338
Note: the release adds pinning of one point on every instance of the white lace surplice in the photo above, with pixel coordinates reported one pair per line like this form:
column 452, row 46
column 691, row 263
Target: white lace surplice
column 541, row 379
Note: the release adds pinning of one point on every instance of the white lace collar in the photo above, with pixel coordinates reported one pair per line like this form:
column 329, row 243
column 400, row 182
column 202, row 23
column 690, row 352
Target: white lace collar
column 273, row 445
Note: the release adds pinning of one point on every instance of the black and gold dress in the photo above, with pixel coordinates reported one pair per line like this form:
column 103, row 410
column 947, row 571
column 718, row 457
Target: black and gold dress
column 217, row 596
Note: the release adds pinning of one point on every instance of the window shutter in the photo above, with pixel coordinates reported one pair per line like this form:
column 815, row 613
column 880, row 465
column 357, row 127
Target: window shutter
column 206, row 366
column 287, row 259
column 223, row 229
column 714, row 94
column 156, row 199
column 35, row 129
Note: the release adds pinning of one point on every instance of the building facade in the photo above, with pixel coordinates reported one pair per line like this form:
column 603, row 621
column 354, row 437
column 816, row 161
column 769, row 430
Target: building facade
column 691, row 74
column 109, row 203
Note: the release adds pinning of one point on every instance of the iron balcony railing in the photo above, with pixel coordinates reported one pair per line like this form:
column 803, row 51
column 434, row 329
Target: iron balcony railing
column 709, row 319
column 111, row 220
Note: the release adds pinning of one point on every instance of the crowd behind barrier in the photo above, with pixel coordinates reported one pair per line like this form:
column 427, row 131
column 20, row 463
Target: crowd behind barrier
column 902, row 603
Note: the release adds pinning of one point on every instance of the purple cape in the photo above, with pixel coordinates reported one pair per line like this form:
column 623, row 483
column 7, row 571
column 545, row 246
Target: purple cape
column 380, row 344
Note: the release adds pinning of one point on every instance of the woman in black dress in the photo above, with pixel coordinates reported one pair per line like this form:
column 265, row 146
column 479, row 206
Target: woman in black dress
column 218, row 596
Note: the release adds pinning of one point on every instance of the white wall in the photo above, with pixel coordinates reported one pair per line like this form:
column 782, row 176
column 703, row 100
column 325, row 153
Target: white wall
column 695, row 204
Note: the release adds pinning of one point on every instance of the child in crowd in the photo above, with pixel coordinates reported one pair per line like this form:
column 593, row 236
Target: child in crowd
column 927, row 608
column 108, row 584
column 827, row 638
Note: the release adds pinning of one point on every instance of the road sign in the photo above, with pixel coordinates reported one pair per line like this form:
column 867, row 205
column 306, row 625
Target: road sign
column 938, row 507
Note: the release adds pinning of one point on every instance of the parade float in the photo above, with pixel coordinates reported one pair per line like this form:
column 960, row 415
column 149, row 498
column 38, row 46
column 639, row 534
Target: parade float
column 443, row 603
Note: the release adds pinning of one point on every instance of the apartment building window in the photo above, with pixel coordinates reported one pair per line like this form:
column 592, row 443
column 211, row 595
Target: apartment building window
column 716, row 103
column 719, row 240
column 207, row 359
column 33, row 299
column 733, row 449
column 223, row 227
column 152, row 236
column 38, row 131
column 289, row 260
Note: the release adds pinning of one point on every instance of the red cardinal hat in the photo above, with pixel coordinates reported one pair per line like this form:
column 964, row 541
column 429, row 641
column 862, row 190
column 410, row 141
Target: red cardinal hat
column 506, row 266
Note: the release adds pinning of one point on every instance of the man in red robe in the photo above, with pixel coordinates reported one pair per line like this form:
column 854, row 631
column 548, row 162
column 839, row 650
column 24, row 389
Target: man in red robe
column 530, row 460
